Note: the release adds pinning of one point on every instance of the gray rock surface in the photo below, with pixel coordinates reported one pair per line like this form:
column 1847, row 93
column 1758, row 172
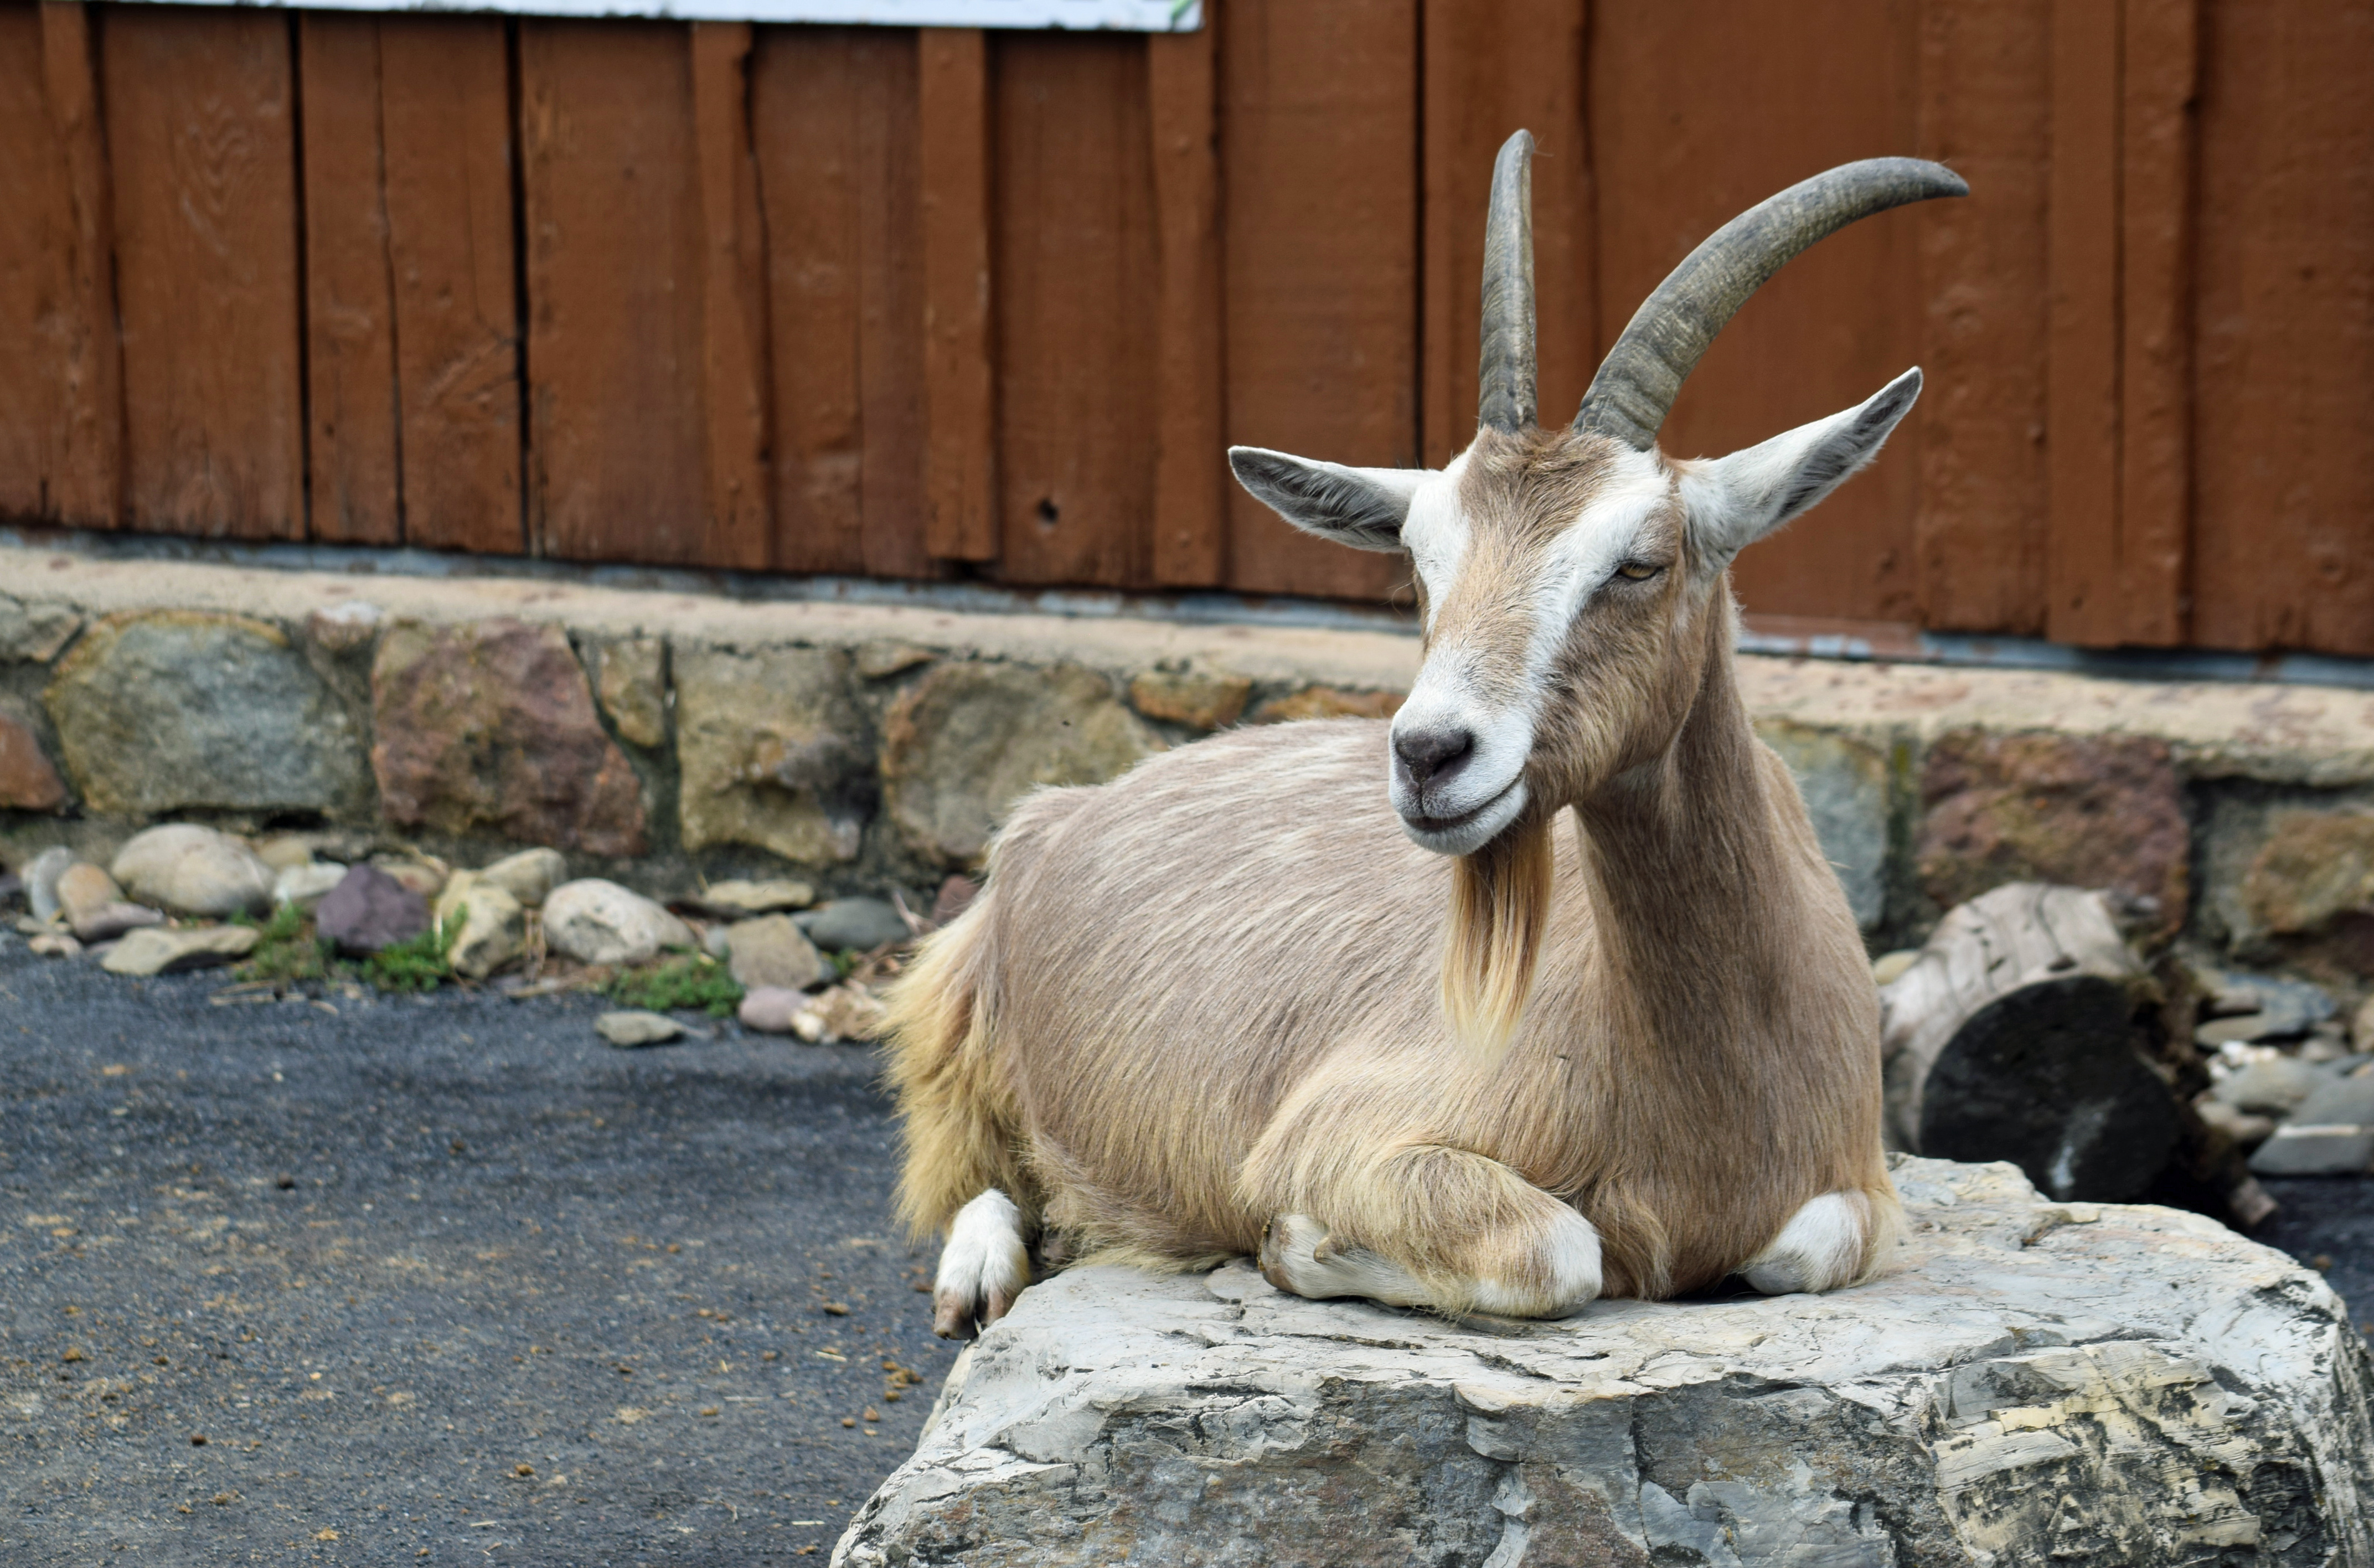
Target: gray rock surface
column 2027, row 1383
column 2332, row 1134
column 1845, row 783
column 194, row 870
column 770, row 951
column 627, row 1029
column 370, row 912
column 859, row 923
column 529, row 877
column 775, row 752
column 170, row 952
column 595, row 921
column 486, row 927
column 740, row 899
column 2272, row 1088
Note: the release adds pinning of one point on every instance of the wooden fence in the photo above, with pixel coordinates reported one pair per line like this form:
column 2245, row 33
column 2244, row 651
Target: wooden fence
column 948, row 304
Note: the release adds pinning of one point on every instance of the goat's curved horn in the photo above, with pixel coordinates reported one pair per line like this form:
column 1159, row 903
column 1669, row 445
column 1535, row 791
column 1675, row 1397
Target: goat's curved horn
column 1506, row 367
column 1643, row 373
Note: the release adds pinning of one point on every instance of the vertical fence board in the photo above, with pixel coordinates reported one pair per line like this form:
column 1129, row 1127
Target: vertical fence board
column 890, row 315
column 351, row 458
column 1697, row 116
column 2285, row 339
column 1488, row 72
column 1985, row 111
column 1075, row 304
column 446, row 117
column 959, row 464
column 1191, row 470
column 202, row 149
column 2082, row 440
column 618, row 452
column 61, row 404
column 1320, row 172
column 734, row 321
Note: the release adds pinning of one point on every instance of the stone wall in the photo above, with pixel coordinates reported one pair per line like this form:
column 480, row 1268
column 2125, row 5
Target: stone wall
column 674, row 737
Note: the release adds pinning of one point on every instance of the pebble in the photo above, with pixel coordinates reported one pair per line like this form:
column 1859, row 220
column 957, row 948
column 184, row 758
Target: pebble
column 369, row 911
column 193, row 870
column 770, row 951
column 112, row 920
column 422, row 875
column 739, row 900
column 83, row 889
column 2332, row 1134
column 493, row 928
column 306, row 885
column 2260, row 1007
column 862, row 924
column 2271, row 1087
column 41, row 874
column 629, row 1030
column 769, row 1009
column 2361, row 1026
column 170, row 952
column 2243, row 1127
column 529, row 876
column 1889, row 967
column 597, row 922
column 54, row 944
column 284, row 851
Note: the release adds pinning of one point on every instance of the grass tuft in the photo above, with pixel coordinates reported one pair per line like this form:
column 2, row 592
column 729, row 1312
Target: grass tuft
column 688, row 980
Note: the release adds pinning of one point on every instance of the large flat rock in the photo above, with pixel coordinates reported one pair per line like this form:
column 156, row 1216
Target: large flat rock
column 2028, row 1383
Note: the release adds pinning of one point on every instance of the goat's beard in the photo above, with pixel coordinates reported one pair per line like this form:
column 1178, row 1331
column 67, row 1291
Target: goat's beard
column 1499, row 916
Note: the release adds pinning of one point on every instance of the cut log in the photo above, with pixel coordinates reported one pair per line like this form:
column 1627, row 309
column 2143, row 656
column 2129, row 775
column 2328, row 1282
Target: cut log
column 2020, row 1034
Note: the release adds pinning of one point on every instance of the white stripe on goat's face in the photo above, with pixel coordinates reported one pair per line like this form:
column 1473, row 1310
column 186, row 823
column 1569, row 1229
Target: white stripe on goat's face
column 1516, row 545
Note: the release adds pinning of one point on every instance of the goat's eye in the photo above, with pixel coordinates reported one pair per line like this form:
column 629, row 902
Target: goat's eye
column 1637, row 570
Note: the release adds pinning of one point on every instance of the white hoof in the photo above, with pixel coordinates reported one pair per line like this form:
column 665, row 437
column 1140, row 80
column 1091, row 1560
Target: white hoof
column 1570, row 1275
column 983, row 1268
column 1819, row 1249
column 1297, row 1255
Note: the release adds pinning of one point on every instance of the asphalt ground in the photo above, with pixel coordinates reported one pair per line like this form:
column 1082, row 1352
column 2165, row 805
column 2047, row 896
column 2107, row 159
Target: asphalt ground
column 441, row 1279
column 448, row 1279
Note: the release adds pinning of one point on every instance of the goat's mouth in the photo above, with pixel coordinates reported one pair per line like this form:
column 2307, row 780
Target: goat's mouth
column 1466, row 832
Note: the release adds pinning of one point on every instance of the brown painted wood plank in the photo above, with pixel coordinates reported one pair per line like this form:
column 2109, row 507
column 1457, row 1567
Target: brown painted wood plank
column 890, row 316
column 61, row 409
column 619, row 462
column 1075, row 304
column 2082, row 438
column 960, row 484
column 446, row 115
column 1699, row 110
column 2160, row 72
column 351, row 456
column 1321, row 182
column 2284, row 347
column 1190, row 469
column 805, row 98
column 734, row 303
column 1986, row 110
column 201, row 143
column 1490, row 71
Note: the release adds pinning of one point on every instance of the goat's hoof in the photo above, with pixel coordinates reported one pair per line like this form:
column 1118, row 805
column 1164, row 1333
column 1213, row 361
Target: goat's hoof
column 983, row 1268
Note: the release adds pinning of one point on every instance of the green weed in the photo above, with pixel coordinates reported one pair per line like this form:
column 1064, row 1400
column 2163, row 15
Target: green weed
column 419, row 964
column 287, row 950
column 688, row 980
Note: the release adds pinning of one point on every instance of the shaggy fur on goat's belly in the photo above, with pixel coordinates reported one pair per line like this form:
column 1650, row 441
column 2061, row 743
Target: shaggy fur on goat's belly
column 1207, row 993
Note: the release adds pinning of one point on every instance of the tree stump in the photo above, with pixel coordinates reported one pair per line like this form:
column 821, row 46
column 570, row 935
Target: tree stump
column 2018, row 1034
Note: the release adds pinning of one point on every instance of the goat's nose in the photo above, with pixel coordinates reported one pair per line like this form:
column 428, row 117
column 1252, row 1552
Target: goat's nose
column 1425, row 753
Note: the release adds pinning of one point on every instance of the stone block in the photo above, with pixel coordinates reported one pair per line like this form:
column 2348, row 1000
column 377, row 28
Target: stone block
column 490, row 727
column 2087, row 811
column 965, row 742
column 182, row 710
column 29, row 780
column 2025, row 1382
column 2314, row 868
column 1199, row 699
column 1844, row 780
column 1328, row 703
column 634, row 688
column 35, row 633
column 775, row 752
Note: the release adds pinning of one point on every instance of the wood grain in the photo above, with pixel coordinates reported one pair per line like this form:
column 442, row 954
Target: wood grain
column 890, row 317
column 201, row 141
column 1986, row 112
column 960, row 441
column 734, row 301
column 2284, row 333
column 1076, row 270
column 2082, row 440
column 1694, row 118
column 446, row 115
column 353, row 453
column 1191, row 470
column 1320, row 170
column 618, row 459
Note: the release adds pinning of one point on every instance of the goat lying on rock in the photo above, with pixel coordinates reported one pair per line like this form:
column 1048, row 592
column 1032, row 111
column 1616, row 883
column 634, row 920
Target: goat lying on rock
column 1442, row 1054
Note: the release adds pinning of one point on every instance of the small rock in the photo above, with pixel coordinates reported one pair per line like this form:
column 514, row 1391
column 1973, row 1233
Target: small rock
column 738, row 901
column 629, row 1030
column 417, row 872
column 862, row 924
column 1198, row 699
column 2243, row 1127
column 844, row 1012
column 2332, row 1134
column 771, row 1008
column 2272, row 1087
column 633, row 689
column 2361, row 1023
column 485, row 924
column 770, row 951
column 112, row 920
column 306, row 885
column 29, row 780
column 170, row 952
column 194, row 870
column 597, row 922
column 369, row 911
column 41, row 874
column 1328, row 703
column 2258, row 1006
column 83, row 889
column 54, row 944
column 529, row 875
column 1889, row 967
column 715, row 943
column 343, row 627
column 283, row 850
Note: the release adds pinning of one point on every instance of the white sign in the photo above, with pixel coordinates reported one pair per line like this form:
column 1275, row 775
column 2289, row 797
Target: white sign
column 1130, row 16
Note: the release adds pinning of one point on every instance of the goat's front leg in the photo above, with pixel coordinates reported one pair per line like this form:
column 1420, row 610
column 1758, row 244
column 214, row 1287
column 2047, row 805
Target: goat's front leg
column 1823, row 1246
column 1427, row 1225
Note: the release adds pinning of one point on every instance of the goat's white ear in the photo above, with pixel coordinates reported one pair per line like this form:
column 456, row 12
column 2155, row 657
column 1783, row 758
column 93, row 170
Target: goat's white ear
column 1360, row 507
column 1735, row 501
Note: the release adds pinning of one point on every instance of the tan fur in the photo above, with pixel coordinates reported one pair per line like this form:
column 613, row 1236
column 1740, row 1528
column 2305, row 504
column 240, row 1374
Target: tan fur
column 1226, row 987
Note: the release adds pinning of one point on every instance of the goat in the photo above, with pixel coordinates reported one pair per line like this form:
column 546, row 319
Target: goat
column 1416, row 1045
